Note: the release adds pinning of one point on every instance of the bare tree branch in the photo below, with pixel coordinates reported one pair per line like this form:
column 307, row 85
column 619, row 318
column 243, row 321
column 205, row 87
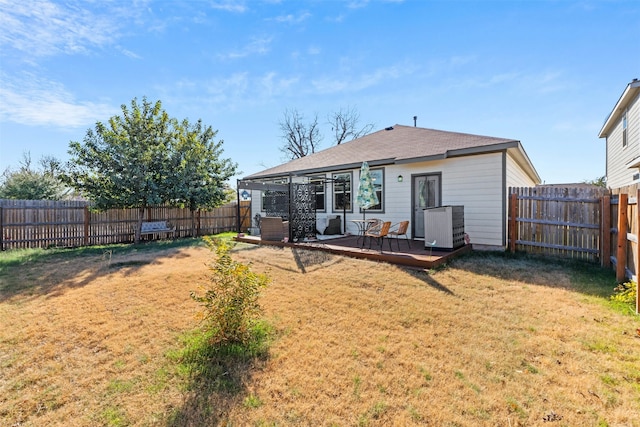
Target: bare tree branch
column 300, row 138
column 344, row 124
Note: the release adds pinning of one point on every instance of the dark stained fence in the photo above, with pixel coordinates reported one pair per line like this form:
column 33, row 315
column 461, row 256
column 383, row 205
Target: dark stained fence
column 44, row 224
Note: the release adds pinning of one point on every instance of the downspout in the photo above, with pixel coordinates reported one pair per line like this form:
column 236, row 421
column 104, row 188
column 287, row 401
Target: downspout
column 290, row 219
column 504, row 198
column 238, row 225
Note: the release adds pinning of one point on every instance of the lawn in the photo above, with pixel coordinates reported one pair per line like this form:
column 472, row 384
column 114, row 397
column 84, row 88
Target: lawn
column 102, row 336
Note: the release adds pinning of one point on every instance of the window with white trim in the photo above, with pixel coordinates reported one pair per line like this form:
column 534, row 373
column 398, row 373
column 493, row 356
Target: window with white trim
column 318, row 185
column 377, row 175
column 341, row 192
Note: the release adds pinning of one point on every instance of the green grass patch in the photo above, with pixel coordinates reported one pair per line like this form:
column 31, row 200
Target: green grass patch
column 599, row 346
column 120, row 386
column 252, row 401
column 213, row 366
column 114, row 417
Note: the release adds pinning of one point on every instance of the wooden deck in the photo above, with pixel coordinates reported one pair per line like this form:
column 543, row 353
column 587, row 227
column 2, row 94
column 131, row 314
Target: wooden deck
column 416, row 256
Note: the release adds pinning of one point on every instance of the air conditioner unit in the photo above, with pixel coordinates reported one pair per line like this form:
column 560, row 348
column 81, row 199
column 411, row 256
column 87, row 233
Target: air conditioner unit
column 445, row 225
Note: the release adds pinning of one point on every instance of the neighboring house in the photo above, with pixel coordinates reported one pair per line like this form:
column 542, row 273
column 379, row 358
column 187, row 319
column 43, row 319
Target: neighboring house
column 413, row 169
column 622, row 132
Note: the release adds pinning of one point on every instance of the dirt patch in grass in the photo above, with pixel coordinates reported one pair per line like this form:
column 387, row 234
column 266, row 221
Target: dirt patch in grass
column 485, row 341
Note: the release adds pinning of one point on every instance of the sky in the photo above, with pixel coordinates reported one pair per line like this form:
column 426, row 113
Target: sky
column 546, row 73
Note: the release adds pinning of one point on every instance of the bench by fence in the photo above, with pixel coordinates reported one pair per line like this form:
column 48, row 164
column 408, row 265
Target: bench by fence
column 153, row 227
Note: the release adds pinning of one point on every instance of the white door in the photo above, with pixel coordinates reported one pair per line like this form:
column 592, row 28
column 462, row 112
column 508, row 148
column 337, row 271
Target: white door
column 426, row 194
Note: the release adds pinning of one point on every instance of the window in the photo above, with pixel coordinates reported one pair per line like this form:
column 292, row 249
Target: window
column 624, row 129
column 378, row 182
column 318, row 185
column 342, row 192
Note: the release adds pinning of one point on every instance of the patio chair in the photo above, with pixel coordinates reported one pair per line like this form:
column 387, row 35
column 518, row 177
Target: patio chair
column 398, row 230
column 378, row 232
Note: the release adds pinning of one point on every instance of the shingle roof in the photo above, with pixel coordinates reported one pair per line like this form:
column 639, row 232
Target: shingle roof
column 396, row 144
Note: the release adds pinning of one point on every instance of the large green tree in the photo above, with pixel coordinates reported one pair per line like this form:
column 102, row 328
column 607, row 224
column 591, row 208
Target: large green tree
column 199, row 172
column 29, row 183
column 143, row 157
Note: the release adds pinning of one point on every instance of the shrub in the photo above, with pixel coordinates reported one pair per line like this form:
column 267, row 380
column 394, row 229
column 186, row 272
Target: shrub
column 625, row 293
column 231, row 309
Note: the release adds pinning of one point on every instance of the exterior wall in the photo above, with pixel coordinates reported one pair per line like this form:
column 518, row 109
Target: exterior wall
column 477, row 182
column 515, row 177
column 618, row 175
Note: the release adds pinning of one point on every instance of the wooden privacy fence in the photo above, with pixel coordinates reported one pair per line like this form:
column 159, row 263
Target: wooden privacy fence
column 556, row 221
column 585, row 223
column 43, row 224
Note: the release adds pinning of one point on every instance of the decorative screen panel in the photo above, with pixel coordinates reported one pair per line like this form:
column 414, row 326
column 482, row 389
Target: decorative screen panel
column 303, row 212
column 276, row 203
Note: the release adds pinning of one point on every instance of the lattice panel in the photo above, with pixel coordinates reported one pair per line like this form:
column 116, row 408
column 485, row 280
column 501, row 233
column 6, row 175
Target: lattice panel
column 276, row 203
column 303, row 212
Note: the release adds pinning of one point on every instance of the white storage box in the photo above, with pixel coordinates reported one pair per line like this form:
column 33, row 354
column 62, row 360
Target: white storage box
column 445, row 225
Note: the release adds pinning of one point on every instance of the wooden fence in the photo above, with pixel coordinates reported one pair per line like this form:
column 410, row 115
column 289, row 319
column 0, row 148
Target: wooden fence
column 556, row 221
column 585, row 223
column 44, row 224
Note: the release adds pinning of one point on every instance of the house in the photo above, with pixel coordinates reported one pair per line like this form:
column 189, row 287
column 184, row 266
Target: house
column 622, row 132
column 414, row 168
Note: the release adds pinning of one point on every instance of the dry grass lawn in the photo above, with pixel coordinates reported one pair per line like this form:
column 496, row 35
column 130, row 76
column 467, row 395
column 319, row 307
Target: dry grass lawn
column 94, row 339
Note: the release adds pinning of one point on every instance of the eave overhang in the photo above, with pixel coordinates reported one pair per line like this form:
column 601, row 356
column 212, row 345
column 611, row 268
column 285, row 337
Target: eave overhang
column 630, row 92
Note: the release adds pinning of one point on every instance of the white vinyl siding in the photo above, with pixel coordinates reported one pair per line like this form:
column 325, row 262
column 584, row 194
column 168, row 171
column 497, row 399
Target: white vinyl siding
column 516, row 177
column 476, row 183
column 618, row 156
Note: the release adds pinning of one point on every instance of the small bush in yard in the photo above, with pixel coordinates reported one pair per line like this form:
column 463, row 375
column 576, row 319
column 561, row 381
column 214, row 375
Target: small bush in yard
column 231, row 308
column 625, row 293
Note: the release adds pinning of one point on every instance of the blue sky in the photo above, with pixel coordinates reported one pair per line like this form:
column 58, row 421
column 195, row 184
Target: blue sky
column 546, row 73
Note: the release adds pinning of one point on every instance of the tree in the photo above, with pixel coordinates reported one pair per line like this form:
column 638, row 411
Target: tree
column 28, row 183
column 300, row 138
column 303, row 138
column 200, row 174
column 344, row 124
column 600, row 181
column 144, row 158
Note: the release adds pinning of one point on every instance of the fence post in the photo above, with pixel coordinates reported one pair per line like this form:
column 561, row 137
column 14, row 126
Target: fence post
column 621, row 253
column 637, row 251
column 1, row 230
column 86, row 225
column 605, row 224
column 513, row 225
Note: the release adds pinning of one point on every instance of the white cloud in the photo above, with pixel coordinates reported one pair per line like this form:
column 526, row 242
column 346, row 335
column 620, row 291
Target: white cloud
column 230, row 6
column 39, row 102
column 44, row 28
column 292, row 19
column 360, row 82
column 257, row 46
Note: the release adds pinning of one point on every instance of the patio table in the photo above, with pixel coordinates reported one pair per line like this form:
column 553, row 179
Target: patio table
column 363, row 225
